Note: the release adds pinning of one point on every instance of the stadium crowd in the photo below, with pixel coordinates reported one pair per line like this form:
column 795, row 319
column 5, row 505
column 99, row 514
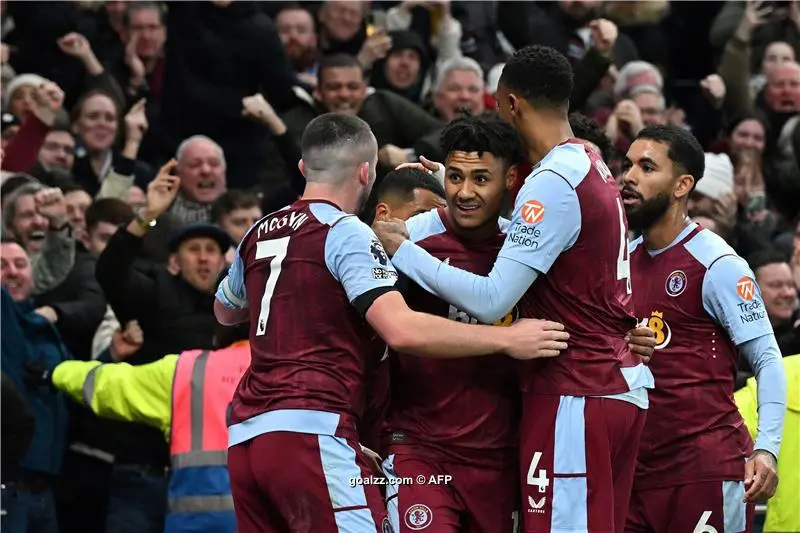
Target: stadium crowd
column 107, row 260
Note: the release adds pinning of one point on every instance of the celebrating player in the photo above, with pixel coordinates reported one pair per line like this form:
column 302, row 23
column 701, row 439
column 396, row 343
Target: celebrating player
column 566, row 251
column 704, row 305
column 458, row 418
column 307, row 276
column 401, row 194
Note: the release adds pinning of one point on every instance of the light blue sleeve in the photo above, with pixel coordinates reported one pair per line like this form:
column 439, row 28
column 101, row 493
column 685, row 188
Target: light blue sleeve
column 487, row 298
column 356, row 258
column 764, row 358
column 732, row 298
column 231, row 291
column 546, row 221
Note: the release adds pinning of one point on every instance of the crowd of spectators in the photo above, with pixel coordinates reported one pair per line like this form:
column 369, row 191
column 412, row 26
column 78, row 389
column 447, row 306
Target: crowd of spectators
column 97, row 95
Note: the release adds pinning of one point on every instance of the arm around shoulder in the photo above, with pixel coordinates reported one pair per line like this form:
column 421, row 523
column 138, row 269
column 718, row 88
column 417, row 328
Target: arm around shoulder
column 408, row 331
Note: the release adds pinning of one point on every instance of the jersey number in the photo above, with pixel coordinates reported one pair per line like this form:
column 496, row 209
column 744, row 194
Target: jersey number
column 623, row 259
column 537, row 479
column 703, row 526
column 275, row 252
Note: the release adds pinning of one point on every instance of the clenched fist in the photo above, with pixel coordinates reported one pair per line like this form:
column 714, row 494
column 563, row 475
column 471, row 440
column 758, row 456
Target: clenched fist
column 50, row 203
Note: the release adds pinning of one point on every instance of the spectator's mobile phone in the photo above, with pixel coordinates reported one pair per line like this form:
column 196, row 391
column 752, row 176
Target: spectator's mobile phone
column 376, row 22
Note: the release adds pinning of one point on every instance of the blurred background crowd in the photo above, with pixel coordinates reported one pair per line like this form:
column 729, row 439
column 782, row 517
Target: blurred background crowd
column 97, row 95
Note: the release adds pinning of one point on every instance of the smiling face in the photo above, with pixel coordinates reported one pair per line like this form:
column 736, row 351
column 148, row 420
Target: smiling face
column 28, row 226
column 748, row 135
column 341, row 89
column 202, row 171
column 16, row 274
column 476, row 185
column 97, row 123
column 778, row 290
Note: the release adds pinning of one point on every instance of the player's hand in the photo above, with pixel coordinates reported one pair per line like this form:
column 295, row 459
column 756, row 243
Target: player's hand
column 373, row 459
column 642, row 342
column 533, row 339
column 391, row 233
column 760, row 476
column 161, row 192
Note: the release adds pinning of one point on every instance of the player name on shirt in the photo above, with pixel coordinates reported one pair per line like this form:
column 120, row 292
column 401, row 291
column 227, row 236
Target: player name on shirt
column 294, row 220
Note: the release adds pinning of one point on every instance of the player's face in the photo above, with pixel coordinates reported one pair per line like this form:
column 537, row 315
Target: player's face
column 647, row 183
column 475, row 187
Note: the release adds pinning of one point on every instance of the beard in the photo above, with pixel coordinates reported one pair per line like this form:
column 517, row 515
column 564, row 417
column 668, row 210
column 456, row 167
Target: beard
column 301, row 57
column 643, row 216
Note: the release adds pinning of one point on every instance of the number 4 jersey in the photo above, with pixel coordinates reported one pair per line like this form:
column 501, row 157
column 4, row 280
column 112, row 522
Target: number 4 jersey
column 569, row 226
column 308, row 274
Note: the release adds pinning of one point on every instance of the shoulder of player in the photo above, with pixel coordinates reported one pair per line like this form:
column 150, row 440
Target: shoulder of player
column 569, row 161
column 425, row 225
column 710, row 250
column 330, row 215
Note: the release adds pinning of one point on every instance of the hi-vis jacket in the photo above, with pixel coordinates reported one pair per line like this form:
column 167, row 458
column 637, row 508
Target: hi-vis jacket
column 783, row 513
column 187, row 398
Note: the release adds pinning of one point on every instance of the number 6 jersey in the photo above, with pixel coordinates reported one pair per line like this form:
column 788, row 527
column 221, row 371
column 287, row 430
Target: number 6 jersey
column 308, row 273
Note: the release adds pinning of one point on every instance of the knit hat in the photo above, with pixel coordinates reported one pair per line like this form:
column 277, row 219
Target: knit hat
column 717, row 179
column 21, row 81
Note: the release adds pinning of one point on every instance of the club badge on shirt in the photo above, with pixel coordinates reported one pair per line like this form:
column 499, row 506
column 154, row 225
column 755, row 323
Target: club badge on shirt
column 676, row 283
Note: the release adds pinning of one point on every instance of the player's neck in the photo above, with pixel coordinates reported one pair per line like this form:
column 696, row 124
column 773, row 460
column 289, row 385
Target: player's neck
column 479, row 234
column 343, row 199
column 666, row 230
column 544, row 134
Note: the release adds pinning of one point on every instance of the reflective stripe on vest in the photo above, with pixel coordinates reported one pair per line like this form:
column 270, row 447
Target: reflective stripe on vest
column 202, row 390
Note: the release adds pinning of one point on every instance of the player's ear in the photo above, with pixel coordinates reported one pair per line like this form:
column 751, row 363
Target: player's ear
column 382, row 212
column 301, row 165
column 513, row 104
column 684, row 186
column 172, row 265
column 511, row 177
column 363, row 174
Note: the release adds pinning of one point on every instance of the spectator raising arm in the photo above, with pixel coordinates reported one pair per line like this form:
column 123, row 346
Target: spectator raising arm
column 132, row 293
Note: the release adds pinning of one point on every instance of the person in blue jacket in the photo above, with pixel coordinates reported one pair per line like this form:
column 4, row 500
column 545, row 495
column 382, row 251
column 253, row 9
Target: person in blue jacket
column 28, row 344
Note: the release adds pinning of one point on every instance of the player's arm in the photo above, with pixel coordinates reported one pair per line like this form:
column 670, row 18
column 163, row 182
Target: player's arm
column 368, row 280
column 529, row 249
column 230, row 305
column 120, row 391
column 745, row 319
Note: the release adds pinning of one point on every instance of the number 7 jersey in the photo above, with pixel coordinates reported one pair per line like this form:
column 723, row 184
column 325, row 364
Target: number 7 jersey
column 308, row 273
column 569, row 225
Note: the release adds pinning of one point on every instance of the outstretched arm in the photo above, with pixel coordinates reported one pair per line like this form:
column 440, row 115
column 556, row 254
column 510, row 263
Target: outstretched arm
column 546, row 221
